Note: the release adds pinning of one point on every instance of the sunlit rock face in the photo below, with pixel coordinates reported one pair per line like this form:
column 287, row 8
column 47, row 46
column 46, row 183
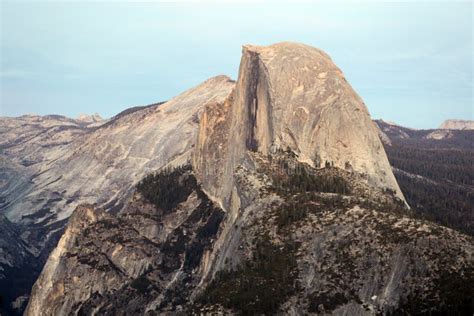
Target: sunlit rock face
column 278, row 205
column 290, row 96
column 49, row 165
column 100, row 164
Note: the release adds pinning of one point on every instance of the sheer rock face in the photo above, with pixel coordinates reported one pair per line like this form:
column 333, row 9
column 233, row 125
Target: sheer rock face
column 51, row 284
column 317, row 245
column 291, row 96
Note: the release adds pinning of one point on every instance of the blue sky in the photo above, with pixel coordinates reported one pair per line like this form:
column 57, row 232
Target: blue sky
column 412, row 62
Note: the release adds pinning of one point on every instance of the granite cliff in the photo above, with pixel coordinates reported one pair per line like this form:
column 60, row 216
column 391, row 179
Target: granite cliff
column 98, row 165
column 304, row 241
column 269, row 195
column 290, row 96
column 52, row 164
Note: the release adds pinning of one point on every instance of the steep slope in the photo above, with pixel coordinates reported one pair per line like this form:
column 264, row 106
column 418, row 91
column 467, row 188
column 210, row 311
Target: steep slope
column 290, row 207
column 28, row 143
column 96, row 164
column 292, row 96
column 104, row 164
column 27, row 139
column 144, row 258
column 308, row 241
column 321, row 241
column 457, row 124
column 16, row 257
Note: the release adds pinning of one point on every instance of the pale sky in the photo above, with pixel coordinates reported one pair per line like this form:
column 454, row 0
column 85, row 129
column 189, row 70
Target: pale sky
column 411, row 62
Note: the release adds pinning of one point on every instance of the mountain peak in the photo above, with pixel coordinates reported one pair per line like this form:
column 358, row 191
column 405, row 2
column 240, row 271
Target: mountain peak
column 291, row 96
column 289, row 47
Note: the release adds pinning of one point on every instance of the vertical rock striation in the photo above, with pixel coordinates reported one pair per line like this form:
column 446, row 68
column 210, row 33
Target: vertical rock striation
column 255, row 226
column 290, row 96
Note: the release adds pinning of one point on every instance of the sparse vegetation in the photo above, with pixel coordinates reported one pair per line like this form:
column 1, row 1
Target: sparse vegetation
column 300, row 205
column 260, row 285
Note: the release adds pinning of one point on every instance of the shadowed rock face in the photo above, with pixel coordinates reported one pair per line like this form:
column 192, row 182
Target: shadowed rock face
column 144, row 258
column 18, row 267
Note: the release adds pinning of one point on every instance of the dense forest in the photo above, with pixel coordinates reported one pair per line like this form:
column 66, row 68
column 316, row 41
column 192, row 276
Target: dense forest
column 455, row 139
column 436, row 176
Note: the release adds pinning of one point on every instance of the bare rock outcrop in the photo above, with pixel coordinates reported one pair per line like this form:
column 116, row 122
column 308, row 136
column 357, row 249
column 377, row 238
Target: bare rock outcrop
column 146, row 258
column 102, row 164
column 50, row 165
column 46, row 289
column 290, row 96
column 90, row 119
column 284, row 210
column 458, row 124
column 330, row 244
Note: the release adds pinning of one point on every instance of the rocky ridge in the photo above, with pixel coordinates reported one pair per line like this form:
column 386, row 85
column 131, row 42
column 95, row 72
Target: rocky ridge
column 28, row 139
column 290, row 206
column 390, row 132
column 50, row 165
column 330, row 244
column 457, row 124
column 113, row 156
column 148, row 252
column 90, row 119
